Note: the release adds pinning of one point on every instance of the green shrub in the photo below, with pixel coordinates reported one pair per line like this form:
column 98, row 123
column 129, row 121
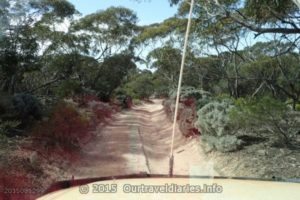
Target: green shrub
column 298, row 107
column 218, row 133
column 258, row 112
column 120, row 97
column 68, row 88
column 140, row 87
column 20, row 107
column 213, row 118
column 268, row 114
column 191, row 100
column 161, row 88
column 6, row 106
column 7, row 126
column 226, row 143
column 189, row 92
column 26, row 106
column 201, row 97
column 136, row 102
column 223, row 97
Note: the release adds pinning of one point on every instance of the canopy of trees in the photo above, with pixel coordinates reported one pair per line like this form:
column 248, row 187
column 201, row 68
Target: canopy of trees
column 239, row 49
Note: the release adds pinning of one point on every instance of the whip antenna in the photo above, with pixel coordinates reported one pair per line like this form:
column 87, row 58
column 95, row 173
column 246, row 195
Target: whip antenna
column 171, row 161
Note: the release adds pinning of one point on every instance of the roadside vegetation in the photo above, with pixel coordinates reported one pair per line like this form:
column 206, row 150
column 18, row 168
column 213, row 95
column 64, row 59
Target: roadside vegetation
column 241, row 83
column 61, row 74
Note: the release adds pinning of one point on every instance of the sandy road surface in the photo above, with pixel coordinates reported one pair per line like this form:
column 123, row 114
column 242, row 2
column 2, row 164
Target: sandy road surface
column 137, row 141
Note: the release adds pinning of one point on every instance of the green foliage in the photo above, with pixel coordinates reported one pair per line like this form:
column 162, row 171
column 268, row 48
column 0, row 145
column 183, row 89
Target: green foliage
column 298, row 107
column 27, row 23
column 66, row 65
column 68, row 88
column 6, row 127
column 27, row 106
column 213, row 119
column 21, row 107
column 263, row 11
column 155, row 31
column 216, row 127
column 121, row 100
column 223, row 96
column 58, row 8
column 136, row 102
column 13, row 63
column 227, row 143
column 6, row 106
column 189, row 92
column 119, row 21
column 220, row 16
column 166, row 61
column 140, row 86
column 263, row 110
column 112, row 73
column 268, row 114
column 161, row 88
column 98, row 55
column 109, row 30
column 202, row 97
column 120, row 97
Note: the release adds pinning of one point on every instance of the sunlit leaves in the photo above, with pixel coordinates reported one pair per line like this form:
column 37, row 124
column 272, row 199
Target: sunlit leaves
column 170, row 26
column 263, row 11
column 54, row 8
column 114, row 24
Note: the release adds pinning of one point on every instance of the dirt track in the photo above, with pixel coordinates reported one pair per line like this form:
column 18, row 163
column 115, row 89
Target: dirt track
column 138, row 141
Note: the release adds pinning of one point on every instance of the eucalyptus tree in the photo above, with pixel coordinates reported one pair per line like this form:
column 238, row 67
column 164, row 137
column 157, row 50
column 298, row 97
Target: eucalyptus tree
column 23, row 23
column 273, row 69
column 110, row 33
column 166, row 62
column 259, row 16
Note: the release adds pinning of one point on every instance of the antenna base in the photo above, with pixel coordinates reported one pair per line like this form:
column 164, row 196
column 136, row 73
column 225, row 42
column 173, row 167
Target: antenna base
column 171, row 166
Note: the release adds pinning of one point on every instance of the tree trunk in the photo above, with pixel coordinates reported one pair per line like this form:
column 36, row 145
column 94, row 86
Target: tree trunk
column 294, row 104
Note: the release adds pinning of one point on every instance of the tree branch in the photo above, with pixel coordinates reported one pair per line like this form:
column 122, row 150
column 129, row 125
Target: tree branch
column 260, row 30
column 255, row 28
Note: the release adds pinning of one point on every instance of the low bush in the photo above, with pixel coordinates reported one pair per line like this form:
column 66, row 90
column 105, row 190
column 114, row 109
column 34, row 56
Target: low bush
column 136, row 102
column 101, row 110
column 26, row 106
column 191, row 95
column 68, row 88
column 227, row 143
column 213, row 119
column 18, row 111
column 269, row 115
column 6, row 106
column 140, row 85
column 189, row 92
column 20, row 107
column 190, row 100
column 123, row 100
column 84, row 100
column 65, row 127
column 7, row 127
column 218, row 131
column 298, row 107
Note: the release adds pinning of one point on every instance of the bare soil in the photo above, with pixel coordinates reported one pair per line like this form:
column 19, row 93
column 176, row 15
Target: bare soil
column 259, row 161
column 138, row 141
